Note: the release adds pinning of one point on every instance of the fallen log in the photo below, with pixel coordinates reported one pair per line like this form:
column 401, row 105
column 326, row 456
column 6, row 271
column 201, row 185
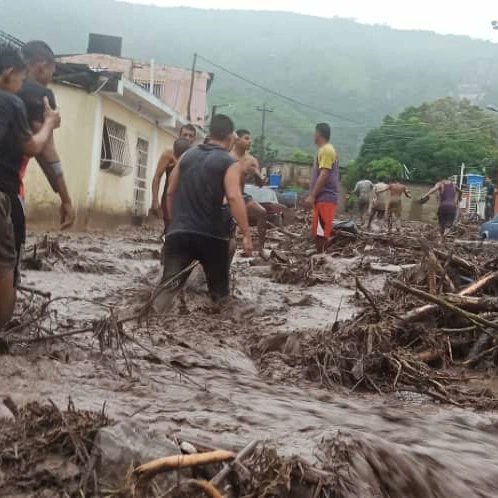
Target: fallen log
column 471, row 303
column 284, row 231
column 428, row 309
column 457, row 260
column 478, row 320
column 174, row 462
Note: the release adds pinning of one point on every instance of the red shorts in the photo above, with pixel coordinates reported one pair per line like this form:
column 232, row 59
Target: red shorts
column 323, row 219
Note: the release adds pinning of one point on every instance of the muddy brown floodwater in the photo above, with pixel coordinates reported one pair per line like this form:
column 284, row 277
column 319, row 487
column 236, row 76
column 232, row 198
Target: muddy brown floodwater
column 216, row 393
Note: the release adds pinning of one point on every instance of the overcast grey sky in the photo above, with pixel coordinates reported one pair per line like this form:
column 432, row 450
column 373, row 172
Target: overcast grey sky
column 472, row 18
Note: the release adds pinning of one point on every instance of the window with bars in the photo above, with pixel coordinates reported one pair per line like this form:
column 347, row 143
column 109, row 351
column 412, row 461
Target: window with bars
column 141, row 177
column 115, row 154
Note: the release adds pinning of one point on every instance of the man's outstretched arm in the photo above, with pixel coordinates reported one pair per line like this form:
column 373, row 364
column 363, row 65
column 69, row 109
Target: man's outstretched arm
column 50, row 163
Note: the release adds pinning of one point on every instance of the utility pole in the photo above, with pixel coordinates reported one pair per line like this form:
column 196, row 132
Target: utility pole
column 215, row 108
column 263, row 110
column 192, row 79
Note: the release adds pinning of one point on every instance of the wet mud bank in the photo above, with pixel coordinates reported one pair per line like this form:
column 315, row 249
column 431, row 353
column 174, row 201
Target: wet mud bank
column 295, row 361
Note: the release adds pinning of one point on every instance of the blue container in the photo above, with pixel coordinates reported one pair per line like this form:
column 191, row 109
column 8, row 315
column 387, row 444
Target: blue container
column 275, row 181
column 475, row 180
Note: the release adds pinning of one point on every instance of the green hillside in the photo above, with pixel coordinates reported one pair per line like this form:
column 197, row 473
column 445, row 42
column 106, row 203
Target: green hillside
column 354, row 74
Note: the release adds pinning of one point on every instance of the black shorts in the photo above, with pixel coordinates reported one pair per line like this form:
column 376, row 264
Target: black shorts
column 212, row 254
column 8, row 253
column 247, row 198
column 230, row 222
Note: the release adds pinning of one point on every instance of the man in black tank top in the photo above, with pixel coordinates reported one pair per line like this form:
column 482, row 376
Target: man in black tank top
column 203, row 177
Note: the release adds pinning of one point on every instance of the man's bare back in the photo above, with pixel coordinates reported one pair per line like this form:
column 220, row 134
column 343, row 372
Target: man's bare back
column 397, row 190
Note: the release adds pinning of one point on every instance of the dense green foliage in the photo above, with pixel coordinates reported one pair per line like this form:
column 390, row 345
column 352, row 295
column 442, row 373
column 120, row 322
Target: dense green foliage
column 384, row 169
column 355, row 74
column 432, row 140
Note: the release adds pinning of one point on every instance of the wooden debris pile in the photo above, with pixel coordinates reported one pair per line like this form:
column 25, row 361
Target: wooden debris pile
column 46, row 451
column 433, row 322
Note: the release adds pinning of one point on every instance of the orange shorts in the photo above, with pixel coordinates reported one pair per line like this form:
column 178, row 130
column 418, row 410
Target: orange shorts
column 323, row 219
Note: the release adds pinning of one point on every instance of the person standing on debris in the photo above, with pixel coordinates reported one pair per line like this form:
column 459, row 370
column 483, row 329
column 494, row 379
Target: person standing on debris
column 363, row 190
column 240, row 152
column 165, row 166
column 198, row 185
column 394, row 207
column 324, row 191
column 16, row 141
column 41, row 67
column 379, row 203
column 490, row 198
column 449, row 196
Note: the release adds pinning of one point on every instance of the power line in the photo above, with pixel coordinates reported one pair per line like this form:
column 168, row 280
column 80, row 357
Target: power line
column 275, row 93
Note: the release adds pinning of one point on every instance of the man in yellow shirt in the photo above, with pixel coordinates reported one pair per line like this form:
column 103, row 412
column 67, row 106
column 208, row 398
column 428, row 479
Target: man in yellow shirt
column 324, row 190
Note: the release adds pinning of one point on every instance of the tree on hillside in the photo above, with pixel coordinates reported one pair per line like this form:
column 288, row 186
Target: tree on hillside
column 385, row 169
column 269, row 155
column 433, row 140
column 300, row 156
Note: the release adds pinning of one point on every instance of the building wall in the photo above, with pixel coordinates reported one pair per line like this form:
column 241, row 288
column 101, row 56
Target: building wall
column 114, row 195
column 100, row 197
column 293, row 174
column 74, row 143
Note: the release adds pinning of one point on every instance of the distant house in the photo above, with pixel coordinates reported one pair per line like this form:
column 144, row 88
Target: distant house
column 113, row 132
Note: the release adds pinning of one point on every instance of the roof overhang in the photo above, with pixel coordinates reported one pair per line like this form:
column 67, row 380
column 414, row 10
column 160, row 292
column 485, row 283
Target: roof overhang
column 143, row 103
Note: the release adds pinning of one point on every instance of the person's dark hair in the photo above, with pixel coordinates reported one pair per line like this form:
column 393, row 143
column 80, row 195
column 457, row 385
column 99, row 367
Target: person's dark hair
column 324, row 130
column 188, row 127
column 240, row 133
column 11, row 58
column 180, row 146
column 38, row 51
column 221, row 127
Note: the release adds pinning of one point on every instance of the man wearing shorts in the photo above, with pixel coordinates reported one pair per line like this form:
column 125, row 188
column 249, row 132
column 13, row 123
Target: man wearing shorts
column 16, row 142
column 324, row 191
column 165, row 166
column 378, row 207
column 240, row 152
column 363, row 190
column 199, row 183
column 394, row 206
column 449, row 195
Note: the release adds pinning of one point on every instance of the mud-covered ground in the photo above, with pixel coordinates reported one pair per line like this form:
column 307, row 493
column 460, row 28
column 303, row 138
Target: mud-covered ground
column 221, row 377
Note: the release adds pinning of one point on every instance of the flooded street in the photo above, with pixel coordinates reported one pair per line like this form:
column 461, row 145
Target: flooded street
column 203, row 382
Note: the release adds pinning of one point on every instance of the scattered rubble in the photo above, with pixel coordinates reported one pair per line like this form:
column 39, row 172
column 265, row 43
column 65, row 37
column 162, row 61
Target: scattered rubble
column 428, row 326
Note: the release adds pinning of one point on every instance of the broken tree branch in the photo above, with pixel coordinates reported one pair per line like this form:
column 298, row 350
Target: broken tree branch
column 174, row 462
column 368, row 297
column 428, row 309
column 245, row 452
column 445, row 304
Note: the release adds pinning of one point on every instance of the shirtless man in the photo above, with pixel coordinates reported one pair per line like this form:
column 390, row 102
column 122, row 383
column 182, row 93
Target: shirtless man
column 166, row 163
column 449, row 195
column 394, row 206
column 379, row 203
column 240, row 152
